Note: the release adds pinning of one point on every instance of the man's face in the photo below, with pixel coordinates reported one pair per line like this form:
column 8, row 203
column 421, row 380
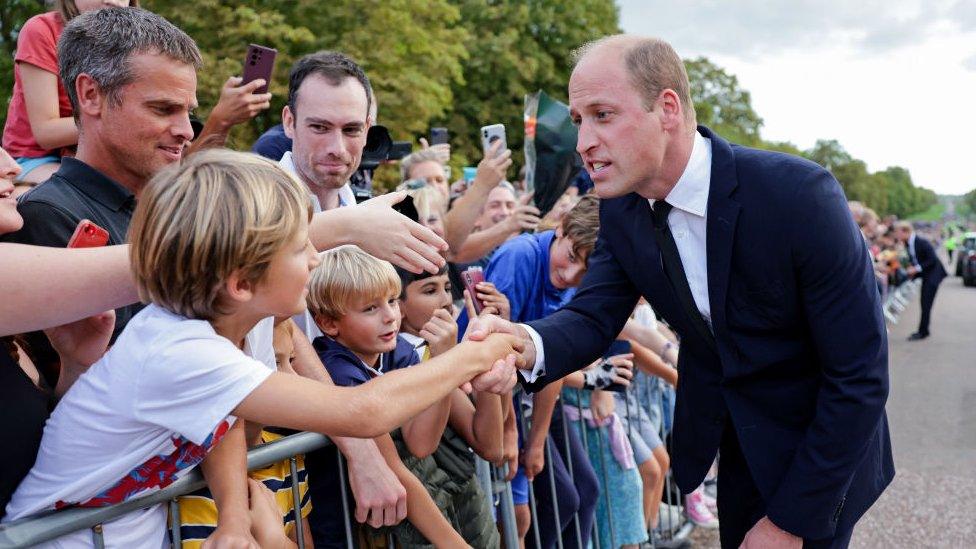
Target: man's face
column 329, row 131
column 151, row 127
column 499, row 207
column 433, row 173
column 422, row 298
column 903, row 234
column 622, row 144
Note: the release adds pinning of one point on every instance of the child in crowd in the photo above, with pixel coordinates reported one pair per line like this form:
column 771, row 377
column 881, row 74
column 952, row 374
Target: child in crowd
column 475, row 423
column 198, row 511
column 537, row 273
column 219, row 246
column 353, row 298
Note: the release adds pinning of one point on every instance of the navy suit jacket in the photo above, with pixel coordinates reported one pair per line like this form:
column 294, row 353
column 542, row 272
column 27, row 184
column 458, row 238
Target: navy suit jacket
column 932, row 270
column 801, row 367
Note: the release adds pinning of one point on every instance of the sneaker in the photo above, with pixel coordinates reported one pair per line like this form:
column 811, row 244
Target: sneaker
column 710, row 502
column 669, row 518
column 698, row 512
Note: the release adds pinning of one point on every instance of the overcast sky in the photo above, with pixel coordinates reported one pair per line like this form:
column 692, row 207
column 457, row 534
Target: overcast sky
column 894, row 81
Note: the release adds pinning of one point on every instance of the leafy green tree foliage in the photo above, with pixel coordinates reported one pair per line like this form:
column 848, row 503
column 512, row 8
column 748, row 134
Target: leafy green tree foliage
column 13, row 15
column 516, row 48
column 721, row 103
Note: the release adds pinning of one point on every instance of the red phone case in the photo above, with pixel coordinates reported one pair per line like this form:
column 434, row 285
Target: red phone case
column 259, row 63
column 471, row 278
column 88, row 235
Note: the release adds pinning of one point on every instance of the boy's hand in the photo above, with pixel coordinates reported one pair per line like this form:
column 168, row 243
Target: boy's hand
column 440, row 332
column 510, row 453
column 232, row 535
column 79, row 345
column 602, row 405
column 266, row 525
column 489, row 295
column 533, row 459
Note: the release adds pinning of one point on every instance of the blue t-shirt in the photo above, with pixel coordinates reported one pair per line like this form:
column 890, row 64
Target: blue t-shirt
column 348, row 370
column 273, row 143
column 520, row 270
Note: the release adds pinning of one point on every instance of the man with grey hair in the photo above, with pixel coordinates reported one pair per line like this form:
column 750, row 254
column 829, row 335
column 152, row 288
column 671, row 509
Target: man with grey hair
column 131, row 78
column 753, row 259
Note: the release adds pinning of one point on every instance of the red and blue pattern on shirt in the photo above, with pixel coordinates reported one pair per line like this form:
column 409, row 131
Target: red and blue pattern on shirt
column 157, row 473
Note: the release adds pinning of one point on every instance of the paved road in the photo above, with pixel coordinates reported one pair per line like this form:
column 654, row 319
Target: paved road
column 932, row 412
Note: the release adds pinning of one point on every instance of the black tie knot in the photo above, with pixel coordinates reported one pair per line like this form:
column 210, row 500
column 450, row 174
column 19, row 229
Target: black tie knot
column 660, row 211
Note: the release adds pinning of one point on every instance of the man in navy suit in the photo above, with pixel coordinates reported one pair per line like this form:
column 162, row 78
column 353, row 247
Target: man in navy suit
column 753, row 258
column 925, row 265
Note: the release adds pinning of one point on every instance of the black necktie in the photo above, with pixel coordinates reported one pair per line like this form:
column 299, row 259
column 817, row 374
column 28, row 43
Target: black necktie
column 671, row 260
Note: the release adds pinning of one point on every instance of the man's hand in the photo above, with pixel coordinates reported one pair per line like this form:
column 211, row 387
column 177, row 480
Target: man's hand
column 379, row 496
column 440, row 332
column 389, row 235
column 534, row 459
column 525, row 217
column 482, row 326
column 766, row 535
column 239, row 103
column 493, row 167
column 79, row 345
column 443, row 150
column 500, row 379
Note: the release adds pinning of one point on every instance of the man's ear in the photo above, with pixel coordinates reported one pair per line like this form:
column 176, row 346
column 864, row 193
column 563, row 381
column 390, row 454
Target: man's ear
column 329, row 326
column 671, row 109
column 237, row 289
column 91, row 100
column 288, row 121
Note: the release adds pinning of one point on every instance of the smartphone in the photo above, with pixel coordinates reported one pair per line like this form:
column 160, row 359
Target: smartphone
column 408, row 208
column 88, row 235
column 618, row 347
column 490, row 134
column 471, row 278
column 438, row 136
column 259, row 63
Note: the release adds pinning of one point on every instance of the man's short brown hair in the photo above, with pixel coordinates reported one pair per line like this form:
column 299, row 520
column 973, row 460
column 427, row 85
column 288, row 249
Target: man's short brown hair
column 582, row 225
column 217, row 212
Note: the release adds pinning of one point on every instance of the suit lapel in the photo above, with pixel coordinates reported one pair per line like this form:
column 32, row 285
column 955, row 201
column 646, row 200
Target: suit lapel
column 723, row 212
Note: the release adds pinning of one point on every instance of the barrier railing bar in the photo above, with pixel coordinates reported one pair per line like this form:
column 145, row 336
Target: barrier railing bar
column 345, row 503
column 532, row 508
column 595, row 534
column 46, row 526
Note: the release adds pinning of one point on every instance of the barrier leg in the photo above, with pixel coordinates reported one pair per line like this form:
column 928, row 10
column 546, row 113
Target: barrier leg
column 552, row 491
column 296, row 497
column 98, row 539
column 174, row 524
column 506, row 509
column 345, row 502
column 586, row 446
column 606, row 486
column 532, row 508
column 568, row 451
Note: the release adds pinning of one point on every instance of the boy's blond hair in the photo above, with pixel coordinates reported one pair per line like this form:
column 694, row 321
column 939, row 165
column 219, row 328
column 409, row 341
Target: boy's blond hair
column 217, row 212
column 345, row 274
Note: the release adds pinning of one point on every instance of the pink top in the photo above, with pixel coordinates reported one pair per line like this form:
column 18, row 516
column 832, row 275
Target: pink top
column 37, row 44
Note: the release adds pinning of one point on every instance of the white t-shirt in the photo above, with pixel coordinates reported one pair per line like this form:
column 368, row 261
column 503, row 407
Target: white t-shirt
column 141, row 417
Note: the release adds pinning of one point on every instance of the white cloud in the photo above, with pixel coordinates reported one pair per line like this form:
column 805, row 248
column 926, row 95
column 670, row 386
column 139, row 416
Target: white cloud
column 889, row 80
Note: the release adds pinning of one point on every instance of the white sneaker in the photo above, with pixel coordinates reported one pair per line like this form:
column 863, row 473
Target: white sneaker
column 698, row 511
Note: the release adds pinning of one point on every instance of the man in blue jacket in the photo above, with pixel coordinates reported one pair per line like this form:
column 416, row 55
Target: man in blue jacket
column 926, row 266
column 753, row 258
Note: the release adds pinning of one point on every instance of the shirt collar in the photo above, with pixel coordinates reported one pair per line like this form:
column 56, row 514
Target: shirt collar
column 690, row 193
column 346, row 196
column 413, row 340
column 95, row 184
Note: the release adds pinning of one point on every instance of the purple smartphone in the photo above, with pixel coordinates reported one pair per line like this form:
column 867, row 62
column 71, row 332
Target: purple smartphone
column 259, row 63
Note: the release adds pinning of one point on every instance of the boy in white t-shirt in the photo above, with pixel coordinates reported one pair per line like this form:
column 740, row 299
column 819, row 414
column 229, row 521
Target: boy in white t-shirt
column 219, row 245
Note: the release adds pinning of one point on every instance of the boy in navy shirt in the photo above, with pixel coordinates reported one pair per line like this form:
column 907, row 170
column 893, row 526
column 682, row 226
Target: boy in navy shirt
column 354, row 299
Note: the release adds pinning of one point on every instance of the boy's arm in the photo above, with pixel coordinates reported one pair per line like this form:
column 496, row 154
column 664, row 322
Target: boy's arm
column 543, row 403
column 480, row 423
column 375, row 488
column 510, row 439
column 423, row 433
column 652, row 364
column 421, row 510
column 225, row 469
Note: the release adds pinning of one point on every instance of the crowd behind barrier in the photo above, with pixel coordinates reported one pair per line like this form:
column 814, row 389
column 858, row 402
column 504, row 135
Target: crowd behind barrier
column 581, row 463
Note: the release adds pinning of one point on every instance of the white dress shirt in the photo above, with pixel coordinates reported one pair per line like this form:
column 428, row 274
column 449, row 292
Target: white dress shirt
column 688, row 223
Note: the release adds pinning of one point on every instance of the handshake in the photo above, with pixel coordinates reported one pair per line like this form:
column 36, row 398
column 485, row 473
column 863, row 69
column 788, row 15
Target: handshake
column 503, row 344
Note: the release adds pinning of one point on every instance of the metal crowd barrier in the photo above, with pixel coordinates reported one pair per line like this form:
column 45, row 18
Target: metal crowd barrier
column 898, row 299
column 52, row 524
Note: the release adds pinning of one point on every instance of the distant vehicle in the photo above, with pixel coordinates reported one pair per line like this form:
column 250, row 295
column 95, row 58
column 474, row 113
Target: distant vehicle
column 966, row 259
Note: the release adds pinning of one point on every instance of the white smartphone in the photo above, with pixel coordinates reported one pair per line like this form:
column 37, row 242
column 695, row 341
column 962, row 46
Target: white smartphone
column 490, row 134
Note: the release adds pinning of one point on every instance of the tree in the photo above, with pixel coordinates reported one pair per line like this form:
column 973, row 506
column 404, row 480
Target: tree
column 721, row 104
column 13, row 15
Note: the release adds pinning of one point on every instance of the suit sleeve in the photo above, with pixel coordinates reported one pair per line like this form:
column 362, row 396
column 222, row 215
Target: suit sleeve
column 843, row 313
column 927, row 259
column 583, row 329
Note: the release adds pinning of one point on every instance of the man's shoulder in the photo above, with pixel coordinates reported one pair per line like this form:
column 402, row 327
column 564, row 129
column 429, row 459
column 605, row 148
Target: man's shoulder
column 763, row 164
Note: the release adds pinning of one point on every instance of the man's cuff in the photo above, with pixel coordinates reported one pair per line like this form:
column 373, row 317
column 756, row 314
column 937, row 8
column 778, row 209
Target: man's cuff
column 539, row 368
